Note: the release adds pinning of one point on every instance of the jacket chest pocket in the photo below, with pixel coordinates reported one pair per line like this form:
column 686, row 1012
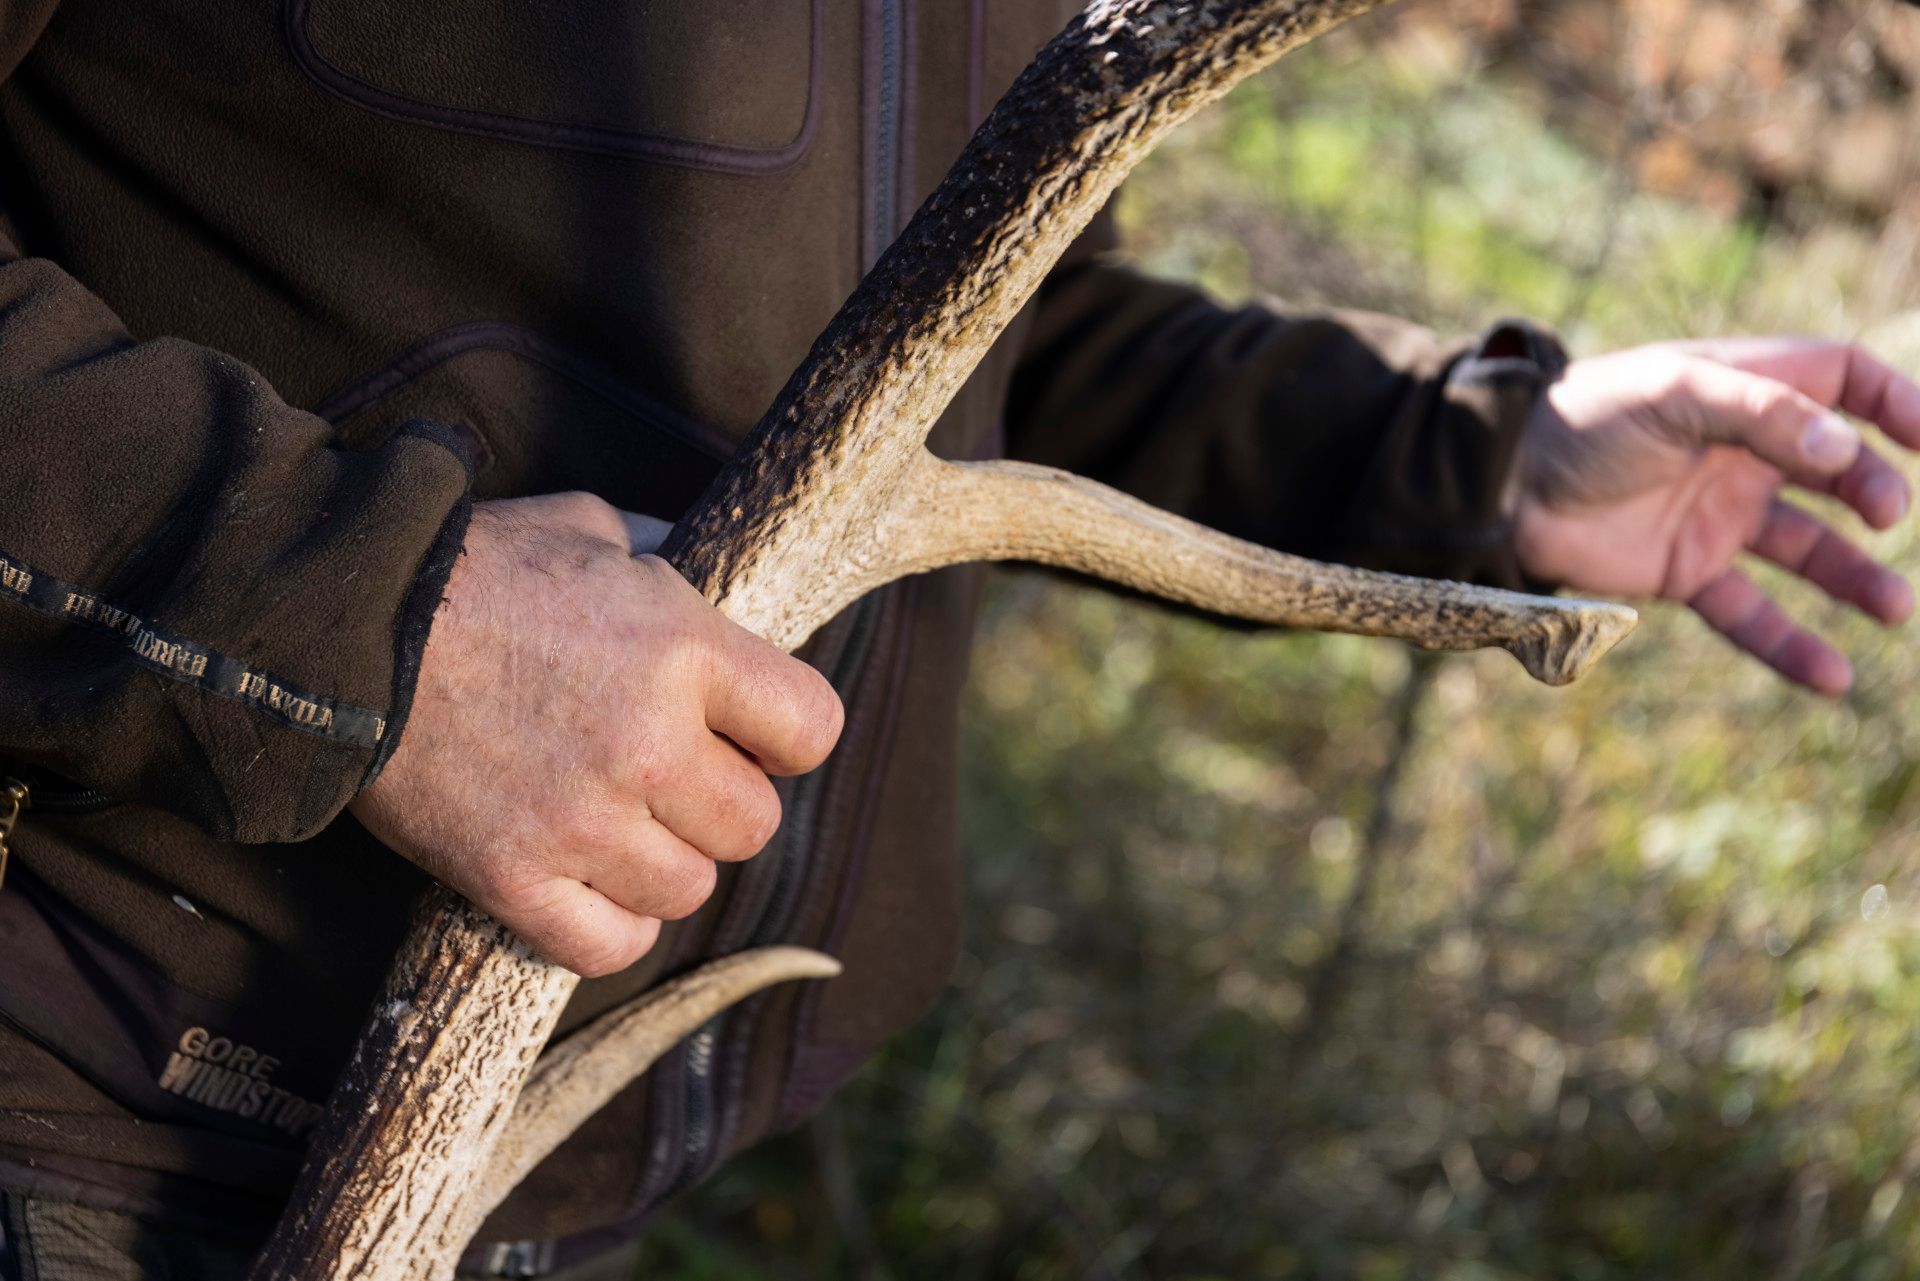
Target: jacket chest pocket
column 727, row 85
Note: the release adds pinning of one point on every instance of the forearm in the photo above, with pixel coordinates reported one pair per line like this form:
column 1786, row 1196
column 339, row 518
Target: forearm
column 1345, row 436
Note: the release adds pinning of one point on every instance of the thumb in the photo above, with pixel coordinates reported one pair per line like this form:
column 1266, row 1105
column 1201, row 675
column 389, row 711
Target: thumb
column 1706, row 403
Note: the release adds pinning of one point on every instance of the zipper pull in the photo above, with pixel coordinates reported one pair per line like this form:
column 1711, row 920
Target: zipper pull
column 13, row 799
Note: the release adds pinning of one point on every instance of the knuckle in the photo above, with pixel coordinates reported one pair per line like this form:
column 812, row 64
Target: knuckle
column 596, row 956
column 591, row 946
column 655, row 571
column 564, row 928
column 819, row 721
column 1671, row 376
column 649, row 765
column 759, row 818
column 1771, row 403
column 597, row 829
column 686, row 651
column 670, row 595
column 500, row 884
column 689, row 890
column 586, row 511
column 640, row 753
column 768, row 816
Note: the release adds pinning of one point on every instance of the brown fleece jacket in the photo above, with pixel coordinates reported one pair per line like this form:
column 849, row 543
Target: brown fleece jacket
column 285, row 285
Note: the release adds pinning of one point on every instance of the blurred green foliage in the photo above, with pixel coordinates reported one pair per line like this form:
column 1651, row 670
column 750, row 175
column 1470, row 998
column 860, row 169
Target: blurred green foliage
column 1297, row 956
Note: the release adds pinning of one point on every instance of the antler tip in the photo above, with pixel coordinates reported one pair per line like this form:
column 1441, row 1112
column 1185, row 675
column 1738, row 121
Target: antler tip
column 1569, row 639
column 801, row 963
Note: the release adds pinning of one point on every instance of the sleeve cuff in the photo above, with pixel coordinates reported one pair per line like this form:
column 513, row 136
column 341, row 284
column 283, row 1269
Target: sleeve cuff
column 1448, row 504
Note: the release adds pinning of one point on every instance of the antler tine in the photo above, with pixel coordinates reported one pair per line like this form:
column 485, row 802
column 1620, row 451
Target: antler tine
column 954, row 513
column 1016, row 511
column 840, row 498
column 578, row 1077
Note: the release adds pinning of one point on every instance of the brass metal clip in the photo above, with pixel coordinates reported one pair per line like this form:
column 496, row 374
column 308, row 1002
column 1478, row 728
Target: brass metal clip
column 13, row 799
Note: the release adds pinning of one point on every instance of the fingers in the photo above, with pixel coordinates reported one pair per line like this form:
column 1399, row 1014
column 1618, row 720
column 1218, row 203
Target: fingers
column 609, row 885
column 1872, row 487
column 1734, row 606
column 1836, row 374
column 1775, row 397
column 1711, row 403
column 594, row 700
column 653, row 873
column 780, row 711
column 725, row 808
column 578, row 927
column 1795, row 540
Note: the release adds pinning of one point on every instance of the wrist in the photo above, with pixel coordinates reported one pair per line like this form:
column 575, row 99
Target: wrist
column 1527, row 356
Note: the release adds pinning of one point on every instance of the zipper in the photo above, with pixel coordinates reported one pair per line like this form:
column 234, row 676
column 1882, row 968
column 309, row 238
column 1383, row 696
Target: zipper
column 697, row 1127
column 789, row 864
column 520, row 1259
column 22, row 790
column 789, row 872
column 786, row 866
column 704, row 1055
column 71, row 800
column 886, row 143
column 55, row 795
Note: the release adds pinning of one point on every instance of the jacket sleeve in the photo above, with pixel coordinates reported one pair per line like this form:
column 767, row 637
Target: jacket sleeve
column 1343, row 436
column 204, row 604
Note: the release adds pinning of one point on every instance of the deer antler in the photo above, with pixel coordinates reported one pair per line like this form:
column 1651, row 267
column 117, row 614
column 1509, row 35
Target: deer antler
column 582, row 1074
column 832, row 495
column 951, row 513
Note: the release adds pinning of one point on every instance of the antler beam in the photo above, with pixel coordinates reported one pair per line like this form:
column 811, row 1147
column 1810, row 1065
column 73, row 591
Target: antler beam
column 832, row 495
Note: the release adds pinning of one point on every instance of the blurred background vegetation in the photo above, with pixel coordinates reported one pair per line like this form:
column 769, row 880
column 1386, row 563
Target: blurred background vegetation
column 1300, row 956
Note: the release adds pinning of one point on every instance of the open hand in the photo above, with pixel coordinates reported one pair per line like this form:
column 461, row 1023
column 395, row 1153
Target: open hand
column 588, row 734
column 1648, row 472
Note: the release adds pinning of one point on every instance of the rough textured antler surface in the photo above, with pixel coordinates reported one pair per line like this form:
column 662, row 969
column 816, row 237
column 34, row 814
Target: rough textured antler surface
column 774, row 540
column 834, row 494
column 384, row 1154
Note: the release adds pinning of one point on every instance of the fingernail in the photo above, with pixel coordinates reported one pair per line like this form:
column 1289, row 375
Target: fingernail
column 1830, row 441
column 1907, row 401
column 1896, row 601
column 1886, row 499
